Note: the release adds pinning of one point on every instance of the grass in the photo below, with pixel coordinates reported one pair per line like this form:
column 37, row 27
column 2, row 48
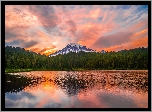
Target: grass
column 17, row 70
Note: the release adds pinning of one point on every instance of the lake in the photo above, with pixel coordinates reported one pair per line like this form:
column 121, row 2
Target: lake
column 77, row 89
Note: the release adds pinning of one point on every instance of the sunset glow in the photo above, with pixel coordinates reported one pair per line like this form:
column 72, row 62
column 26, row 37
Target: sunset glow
column 47, row 28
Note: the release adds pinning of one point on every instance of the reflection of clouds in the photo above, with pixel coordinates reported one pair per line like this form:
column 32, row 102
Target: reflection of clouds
column 19, row 96
column 46, row 92
column 117, row 100
column 54, row 105
column 113, row 99
column 19, row 100
column 90, row 100
column 79, row 89
column 11, row 103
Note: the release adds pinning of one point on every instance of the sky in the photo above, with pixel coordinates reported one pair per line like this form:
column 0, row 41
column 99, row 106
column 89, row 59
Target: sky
column 47, row 28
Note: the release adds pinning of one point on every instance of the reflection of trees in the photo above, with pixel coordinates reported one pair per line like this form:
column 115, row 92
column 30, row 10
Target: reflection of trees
column 73, row 82
column 15, row 83
column 132, row 80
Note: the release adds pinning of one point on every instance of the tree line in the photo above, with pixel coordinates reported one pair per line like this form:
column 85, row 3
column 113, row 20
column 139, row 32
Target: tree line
column 19, row 58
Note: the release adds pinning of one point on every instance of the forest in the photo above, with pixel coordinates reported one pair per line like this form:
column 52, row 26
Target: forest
column 17, row 58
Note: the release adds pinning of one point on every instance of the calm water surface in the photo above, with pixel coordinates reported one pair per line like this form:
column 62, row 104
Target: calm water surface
column 77, row 89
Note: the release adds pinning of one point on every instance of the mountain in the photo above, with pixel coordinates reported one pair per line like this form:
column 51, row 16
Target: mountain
column 73, row 47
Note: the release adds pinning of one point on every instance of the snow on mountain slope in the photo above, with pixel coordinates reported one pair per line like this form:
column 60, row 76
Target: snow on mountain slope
column 72, row 47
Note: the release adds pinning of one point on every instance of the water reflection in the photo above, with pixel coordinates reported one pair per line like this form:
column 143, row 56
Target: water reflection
column 73, row 82
column 70, row 83
column 78, row 89
column 15, row 83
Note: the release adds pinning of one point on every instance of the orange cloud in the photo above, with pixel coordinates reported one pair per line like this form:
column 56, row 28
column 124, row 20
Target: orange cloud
column 114, row 48
column 140, row 33
column 91, row 32
column 42, row 35
column 138, row 26
column 141, row 42
column 43, row 50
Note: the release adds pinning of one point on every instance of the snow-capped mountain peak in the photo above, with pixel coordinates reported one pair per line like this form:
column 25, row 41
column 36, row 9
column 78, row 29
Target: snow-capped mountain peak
column 75, row 44
column 72, row 47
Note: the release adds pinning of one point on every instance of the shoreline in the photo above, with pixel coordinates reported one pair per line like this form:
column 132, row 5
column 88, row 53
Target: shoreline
column 30, row 70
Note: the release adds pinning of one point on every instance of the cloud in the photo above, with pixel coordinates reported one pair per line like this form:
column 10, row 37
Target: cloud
column 16, row 10
column 134, row 43
column 43, row 50
column 140, row 34
column 115, row 48
column 46, row 16
column 72, row 26
column 47, row 48
column 14, row 42
column 18, row 36
column 9, row 35
column 87, row 35
column 29, row 44
column 140, row 42
column 22, row 43
column 14, row 31
column 113, row 39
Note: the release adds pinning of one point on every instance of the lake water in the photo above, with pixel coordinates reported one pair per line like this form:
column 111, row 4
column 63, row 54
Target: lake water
column 77, row 89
